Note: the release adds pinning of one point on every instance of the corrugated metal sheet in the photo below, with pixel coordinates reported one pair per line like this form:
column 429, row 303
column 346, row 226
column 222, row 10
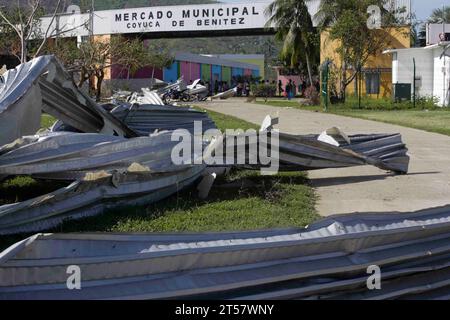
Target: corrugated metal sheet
column 385, row 151
column 225, row 95
column 43, row 83
column 88, row 198
column 146, row 119
column 19, row 117
column 327, row 260
column 110, row 172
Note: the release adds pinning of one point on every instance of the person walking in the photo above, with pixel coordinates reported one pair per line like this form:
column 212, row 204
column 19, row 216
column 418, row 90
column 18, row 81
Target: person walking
column 280, row 88
column 288, row 90
column 247, row 89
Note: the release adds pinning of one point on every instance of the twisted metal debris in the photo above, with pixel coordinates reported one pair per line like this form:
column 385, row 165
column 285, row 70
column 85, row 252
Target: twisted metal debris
column 302, row 153
column 327, row 260
column 109, row 165
column 109, row 172
column 43, row 85
column 132, row 143
column 225, row 95
column 145, row 119
column 84, row 198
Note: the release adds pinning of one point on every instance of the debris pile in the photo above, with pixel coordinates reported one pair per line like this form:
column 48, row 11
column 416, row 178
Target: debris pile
column 120, row 155
column 112, row 159
column 123, row 156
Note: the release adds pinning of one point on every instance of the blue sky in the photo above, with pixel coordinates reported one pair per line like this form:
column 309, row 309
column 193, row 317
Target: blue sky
column 423, row 8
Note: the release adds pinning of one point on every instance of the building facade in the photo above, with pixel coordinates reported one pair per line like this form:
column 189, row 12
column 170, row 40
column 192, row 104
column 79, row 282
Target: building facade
column 376, row 81
column 190, row 67
column 432, row 70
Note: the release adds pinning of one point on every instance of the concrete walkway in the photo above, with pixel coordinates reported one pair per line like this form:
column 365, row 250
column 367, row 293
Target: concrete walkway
column 363, row 189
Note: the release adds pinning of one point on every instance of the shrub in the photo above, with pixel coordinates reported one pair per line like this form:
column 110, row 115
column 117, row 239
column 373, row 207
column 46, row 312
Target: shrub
column 312, row 95
column 367, row 103
column 264, row 90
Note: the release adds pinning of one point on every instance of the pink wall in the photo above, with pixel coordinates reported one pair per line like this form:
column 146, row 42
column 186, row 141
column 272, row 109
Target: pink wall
column 285, row 80
column 248, row 72
column 119, row 72
column 185, row 71
column 189, row 71
column 195, row 71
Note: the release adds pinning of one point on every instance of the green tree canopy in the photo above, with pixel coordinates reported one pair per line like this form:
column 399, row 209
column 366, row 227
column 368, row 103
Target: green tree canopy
column 294, row 27
column 346, row 22
column 440, row 15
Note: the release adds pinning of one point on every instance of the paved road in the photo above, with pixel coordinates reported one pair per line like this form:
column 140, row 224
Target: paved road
column 364, row 189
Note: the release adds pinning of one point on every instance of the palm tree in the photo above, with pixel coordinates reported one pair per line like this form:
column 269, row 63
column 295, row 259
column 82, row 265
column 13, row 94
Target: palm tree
column 441, row 15
column 438, row 16
column 294, row 27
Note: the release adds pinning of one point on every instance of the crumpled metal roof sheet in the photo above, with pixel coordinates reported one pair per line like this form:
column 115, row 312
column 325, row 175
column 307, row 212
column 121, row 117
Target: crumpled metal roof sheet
column 225, row 95
column 108, row 170
column 88, row 198
column 327, row 260
column 43, row 84
column 150, row 97
column 385, row 151
column 88, row 153
column 20, row 110
column 146, row 119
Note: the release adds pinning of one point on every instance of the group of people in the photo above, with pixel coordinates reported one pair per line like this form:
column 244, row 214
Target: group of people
column 217, row 87
column 291, row 89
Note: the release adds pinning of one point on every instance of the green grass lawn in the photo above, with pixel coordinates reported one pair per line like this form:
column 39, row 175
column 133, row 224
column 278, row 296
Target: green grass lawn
column 243, row 200
column 433, row 120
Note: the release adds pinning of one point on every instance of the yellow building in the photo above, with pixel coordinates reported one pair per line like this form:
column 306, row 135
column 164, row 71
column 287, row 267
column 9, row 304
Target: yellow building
column 376, row 81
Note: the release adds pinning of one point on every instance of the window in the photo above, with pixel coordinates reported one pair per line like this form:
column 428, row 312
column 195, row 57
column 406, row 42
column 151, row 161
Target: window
column 372, row 83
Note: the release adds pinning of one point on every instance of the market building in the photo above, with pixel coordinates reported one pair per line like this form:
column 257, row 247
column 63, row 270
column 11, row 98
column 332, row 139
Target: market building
column 209, row 20
column 209, row 68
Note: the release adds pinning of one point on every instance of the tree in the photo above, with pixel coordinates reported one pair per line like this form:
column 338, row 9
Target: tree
column 440, row 15
column 159, row 57
column 294, row 27
column 345, row 21
column 95, row 57
column 22, row 28
column 91, row 59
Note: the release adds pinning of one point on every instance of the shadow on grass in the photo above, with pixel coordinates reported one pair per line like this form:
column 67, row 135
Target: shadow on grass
column 247, row 190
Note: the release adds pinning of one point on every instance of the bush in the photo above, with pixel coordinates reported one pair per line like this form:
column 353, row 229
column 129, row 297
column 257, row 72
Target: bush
column 264, row 90
column 422, row 103
column 312, row 95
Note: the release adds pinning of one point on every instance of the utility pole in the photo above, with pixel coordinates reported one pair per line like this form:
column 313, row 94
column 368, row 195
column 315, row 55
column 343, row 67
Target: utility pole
column 414, row 83
column 91, row 19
